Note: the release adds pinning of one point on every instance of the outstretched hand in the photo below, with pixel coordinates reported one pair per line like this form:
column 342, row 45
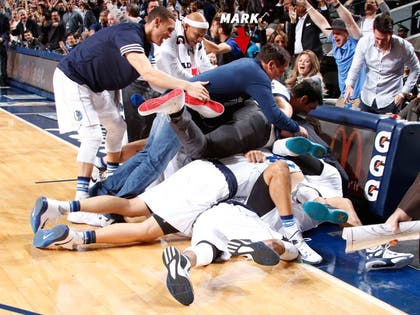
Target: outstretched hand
column 255, row 156
column 197, row 90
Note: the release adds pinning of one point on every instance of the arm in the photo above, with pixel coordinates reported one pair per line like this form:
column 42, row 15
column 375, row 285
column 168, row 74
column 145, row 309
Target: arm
column 211, row 47
column 356, row 66
column 159, row 78
column 346, row 16
column 384, row 7
column 316, row 17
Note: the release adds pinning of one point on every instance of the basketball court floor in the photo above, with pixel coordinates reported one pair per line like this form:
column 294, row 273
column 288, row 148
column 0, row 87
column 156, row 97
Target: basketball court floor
column 35, row 160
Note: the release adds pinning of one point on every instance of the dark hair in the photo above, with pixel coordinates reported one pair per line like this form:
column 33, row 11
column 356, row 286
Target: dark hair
column 273, row 52
column 383, row 23
column 311, row 88
column 161, row 12
column 226, row 27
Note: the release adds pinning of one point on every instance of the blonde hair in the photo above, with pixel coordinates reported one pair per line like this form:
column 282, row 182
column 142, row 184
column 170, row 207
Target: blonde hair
column 315, row 68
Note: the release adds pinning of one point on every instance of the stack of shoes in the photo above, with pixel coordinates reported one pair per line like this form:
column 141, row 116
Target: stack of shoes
column 381, row 257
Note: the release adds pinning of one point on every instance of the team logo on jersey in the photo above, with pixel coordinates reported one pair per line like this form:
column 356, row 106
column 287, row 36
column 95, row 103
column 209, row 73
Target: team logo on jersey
column 78, row 115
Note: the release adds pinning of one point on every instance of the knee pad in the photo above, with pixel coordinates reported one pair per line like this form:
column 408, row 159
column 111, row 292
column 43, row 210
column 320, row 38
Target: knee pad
column 115, row 131
column 90, row 140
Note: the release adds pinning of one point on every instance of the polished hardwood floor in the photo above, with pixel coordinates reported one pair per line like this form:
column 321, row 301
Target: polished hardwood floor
column 131, row 279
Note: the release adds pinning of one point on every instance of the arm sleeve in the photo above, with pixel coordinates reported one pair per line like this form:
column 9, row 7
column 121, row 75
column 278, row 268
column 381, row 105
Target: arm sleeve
column 357, row 63
column 263, row 96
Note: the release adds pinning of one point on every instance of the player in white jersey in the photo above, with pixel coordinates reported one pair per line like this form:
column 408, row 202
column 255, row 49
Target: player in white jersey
column 202, row 184
column 183, row 55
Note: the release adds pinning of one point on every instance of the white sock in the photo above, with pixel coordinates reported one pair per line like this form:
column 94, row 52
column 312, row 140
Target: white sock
column 203, row 253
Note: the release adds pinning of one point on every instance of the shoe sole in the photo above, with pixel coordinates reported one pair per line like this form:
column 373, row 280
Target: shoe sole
column 161, row 104
column 258, row 251
column 370, row 266
column 178, row 285
column 301, row 145
column 209, row 109
column 46, row 238
column 321, row 212
column 41, row 205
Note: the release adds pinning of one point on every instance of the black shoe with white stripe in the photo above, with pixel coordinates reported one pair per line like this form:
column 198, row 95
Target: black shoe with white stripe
column 178, row 278
column 258, row 251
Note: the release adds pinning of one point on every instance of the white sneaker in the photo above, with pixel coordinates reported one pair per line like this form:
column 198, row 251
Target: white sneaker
column 307, row 254
column 381, row 257
column 94, row 219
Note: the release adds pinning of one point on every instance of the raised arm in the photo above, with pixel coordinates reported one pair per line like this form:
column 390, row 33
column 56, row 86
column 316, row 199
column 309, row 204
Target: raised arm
column 347, row 17
column 159, row 78
column 316, row 17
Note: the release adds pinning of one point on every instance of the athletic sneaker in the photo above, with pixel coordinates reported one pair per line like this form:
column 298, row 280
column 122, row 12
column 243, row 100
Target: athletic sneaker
column 307, row 254
column 257, row 251
column 209, row 109
column 60, row 236
column 299, row 146
column 380, row 257
column 168, row 103
column 324, row 212
column 42, row 212
column 178, row 279
column 94, row 219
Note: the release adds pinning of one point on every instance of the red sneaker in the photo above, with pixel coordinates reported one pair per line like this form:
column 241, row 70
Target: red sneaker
column 209, row 109
column 168, row 103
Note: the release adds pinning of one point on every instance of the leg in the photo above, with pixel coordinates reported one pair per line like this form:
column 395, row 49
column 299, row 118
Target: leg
column 136, row 174
column 121, row 233
column 46, row 210
column 278, row 179
column 247, row 130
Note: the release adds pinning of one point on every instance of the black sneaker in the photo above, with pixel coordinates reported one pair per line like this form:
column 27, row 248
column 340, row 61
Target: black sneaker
column 258, row 251
column 178, row 278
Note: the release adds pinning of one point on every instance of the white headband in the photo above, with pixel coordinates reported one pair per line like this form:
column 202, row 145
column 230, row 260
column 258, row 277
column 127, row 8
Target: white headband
column 195, row 24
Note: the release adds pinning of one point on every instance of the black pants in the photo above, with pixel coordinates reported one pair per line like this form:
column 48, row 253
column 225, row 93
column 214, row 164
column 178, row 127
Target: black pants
column 243, row 130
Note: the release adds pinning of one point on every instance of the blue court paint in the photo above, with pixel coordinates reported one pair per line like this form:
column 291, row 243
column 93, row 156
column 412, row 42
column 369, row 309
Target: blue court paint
column 16, row 310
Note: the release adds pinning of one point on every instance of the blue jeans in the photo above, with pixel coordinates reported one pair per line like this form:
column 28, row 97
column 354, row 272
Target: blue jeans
column 138, row 172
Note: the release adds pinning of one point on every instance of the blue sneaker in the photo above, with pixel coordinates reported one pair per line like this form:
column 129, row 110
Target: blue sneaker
column 178, row 279
column 257, row 251
column 324, row 212
column 41, row 213
column 60, row 235
column 302, row 145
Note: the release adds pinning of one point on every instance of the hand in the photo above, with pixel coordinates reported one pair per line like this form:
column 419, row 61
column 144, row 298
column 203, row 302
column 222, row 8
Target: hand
column 292, row 14
column 197, row 90
column 398, row 216
column 302, row 132
column 399, row 100
column 255, row 156
column 349, row 91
